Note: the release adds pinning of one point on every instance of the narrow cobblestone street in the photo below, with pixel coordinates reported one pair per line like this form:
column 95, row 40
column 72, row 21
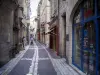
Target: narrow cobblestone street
column 39, row 60
column 49, row 37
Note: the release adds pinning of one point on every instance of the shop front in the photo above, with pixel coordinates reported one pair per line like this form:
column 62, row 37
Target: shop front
column 38, row 34
column 54, row 36
column 86, row 21
column 53, row 39
column 43, row 33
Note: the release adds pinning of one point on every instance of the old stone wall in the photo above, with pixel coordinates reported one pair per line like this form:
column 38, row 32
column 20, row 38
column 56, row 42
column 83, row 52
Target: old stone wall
column 6, row 31
column 66, row 8
column 62, row 12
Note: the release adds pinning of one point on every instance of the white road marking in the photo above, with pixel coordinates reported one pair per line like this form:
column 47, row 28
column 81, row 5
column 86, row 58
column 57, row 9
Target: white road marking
column 14, row 62
column 34, row 65
column 29, row 74
column 44, row 58
column 55, row 67
column 31, row 48
column 26, row 59
column 60, row 65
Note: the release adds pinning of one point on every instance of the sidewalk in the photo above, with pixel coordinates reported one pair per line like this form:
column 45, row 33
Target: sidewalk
column 12, row 63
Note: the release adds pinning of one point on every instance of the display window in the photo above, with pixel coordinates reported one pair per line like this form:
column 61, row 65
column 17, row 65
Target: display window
column 77, row 17
column 99, row 47
column 98, row 5
column 77, row 44
column 88, row 7
column 86, row 34
column 89, row 50
column 89, row 35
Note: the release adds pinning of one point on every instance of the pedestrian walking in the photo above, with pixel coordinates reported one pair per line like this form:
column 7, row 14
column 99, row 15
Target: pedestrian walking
column 23, row 42
column 31, row 40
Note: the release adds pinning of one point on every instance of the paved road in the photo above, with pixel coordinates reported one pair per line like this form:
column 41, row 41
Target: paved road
column 35, row 61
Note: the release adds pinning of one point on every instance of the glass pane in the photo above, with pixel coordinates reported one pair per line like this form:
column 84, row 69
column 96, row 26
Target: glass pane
column 89, row 35
column 77, row 45
column 77, row 17
column 99, row 46
column 88, row 8
column 89, row 52
column 98, row 7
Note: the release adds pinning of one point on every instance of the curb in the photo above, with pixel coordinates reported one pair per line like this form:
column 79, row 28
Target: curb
column 14, row 61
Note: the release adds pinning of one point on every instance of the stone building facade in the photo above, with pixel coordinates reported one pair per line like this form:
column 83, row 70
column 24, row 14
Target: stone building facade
column 28, row 10
column 38, row 22
column 12, row 28
column 6, row 29
column 43, row 21
column 78, row 29
column 26, row 19
column 62, row 27
column 54, row 26
column 74, row 33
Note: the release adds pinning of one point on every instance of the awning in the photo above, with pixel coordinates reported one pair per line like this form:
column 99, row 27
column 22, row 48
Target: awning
column 53, row 33
column 50, row 32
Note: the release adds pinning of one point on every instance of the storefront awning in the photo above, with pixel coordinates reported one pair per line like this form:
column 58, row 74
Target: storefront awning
column 51, row 33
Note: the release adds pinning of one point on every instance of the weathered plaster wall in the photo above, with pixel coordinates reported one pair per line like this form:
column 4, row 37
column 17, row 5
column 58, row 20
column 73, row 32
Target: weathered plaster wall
column 6, row 31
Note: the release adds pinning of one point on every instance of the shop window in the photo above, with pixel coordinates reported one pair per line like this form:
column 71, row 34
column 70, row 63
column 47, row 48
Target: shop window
column 88, row 8
column 98, row 7
column 77, row 17
column 77, row 45
column 89, row 35
column 99, row 46
column 89, row 52
column 84, row 54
